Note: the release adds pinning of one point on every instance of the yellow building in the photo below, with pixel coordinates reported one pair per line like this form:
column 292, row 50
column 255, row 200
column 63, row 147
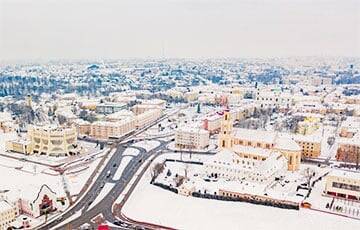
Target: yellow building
column 256, row 141
column 83, row 127
column 53, row 141
column 18, row 146
column 147, row 117
column 225, row 136
column 7, row 214
column 47, row 140
column 310, row 145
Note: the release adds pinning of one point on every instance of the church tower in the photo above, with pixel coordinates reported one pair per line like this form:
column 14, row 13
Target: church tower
column 29, row 101
column 225, row 137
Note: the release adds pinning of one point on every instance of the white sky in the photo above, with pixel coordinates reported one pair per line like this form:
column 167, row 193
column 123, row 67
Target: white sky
column 94, row 29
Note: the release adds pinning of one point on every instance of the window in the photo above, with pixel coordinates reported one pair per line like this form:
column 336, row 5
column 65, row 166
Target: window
column 346, row 186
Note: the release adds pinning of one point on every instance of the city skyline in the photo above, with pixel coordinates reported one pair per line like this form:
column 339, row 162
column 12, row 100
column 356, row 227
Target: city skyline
column 48, row 30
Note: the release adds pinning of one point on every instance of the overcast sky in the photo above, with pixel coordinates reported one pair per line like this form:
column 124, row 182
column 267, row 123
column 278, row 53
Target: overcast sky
column 111, row 29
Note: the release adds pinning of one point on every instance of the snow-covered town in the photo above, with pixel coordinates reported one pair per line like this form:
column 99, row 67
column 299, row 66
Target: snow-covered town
column 179, row 115
column 69, row 160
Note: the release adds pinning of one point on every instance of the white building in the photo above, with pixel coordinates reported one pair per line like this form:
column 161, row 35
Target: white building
column 227, row 164
column 343, row 184
column 191, row 138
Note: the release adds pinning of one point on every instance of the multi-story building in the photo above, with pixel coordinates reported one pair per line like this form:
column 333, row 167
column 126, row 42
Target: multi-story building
column 105, row 129
column 343, row 184
column 147, row 117
column 191, row 138
column 47, row 140
column 349, row 149
column 8, row 213
column 310, row 145
column 212, row 123
column 271, row 99
column 83, row 127
column 350, row 127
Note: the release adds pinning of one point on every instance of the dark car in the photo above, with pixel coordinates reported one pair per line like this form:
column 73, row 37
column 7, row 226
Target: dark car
column 118, row 222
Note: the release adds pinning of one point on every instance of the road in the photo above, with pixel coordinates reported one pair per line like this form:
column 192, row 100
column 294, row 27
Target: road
column 105, row 205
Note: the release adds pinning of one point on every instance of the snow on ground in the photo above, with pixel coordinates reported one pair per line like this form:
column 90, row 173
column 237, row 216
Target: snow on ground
column 77, row 180
column 319, row 201
column 131, row 152
column 124, row 162
column 76, row 215
column 104, row 191
column 148, row 145
column 26, row 184
column 24, row 179
column 152, row 204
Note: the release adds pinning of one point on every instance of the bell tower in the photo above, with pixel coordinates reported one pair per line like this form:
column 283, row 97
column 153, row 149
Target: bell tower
column 225, row 138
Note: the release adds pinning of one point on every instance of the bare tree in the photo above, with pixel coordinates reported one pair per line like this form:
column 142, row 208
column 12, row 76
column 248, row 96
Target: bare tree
column 157, row 170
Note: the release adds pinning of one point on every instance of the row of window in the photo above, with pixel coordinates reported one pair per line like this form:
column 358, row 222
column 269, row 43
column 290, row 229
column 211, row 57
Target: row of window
column 346, row 186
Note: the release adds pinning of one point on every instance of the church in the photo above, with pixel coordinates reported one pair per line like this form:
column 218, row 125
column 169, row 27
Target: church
column 257, row 145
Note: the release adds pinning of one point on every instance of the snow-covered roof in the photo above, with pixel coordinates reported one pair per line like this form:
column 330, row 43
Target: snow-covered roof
column 120, row 115
column 224, row 155
column 251, row 150
column 345, row 174
column 255, row 135
column 4, row 206
column 350, row 141
column 192, row 129
column 286, row 143
column 275, row 162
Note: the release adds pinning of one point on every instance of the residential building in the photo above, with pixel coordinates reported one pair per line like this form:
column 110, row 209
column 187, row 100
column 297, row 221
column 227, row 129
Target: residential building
column 105, row 129
column 272, row 99
column 147, row 117
column 310, row 144
column 191, row 138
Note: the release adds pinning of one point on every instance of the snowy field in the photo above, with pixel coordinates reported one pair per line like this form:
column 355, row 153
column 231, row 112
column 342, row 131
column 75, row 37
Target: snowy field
column 131, row 152
column 155, row 205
